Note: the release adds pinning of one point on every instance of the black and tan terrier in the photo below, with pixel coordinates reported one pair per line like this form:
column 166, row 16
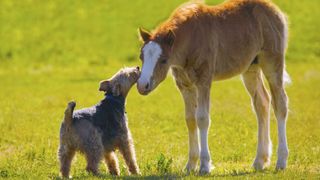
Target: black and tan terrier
column 99, row 130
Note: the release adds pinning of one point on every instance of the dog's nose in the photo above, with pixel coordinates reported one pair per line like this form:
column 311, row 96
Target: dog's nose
column 138, row 68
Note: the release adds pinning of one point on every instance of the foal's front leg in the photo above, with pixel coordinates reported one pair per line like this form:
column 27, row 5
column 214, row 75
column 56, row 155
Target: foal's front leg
column 190, row 100
column 203, row 122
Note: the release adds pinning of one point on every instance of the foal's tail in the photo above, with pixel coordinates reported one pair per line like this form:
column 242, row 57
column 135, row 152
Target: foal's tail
column 286, row 78
column 68, row 113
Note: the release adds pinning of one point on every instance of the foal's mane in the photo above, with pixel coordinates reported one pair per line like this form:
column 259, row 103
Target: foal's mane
column 196, row 8
column 178, row 17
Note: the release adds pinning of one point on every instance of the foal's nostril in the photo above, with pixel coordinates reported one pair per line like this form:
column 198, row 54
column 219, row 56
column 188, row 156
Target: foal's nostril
column 138, row 68
column 147, row 86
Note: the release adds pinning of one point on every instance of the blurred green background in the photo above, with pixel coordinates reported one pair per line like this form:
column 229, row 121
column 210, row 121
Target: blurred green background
column 59, row 32
column 53, row 51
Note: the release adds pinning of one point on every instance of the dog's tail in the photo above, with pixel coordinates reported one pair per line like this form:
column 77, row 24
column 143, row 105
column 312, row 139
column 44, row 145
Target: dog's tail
column 68, row 113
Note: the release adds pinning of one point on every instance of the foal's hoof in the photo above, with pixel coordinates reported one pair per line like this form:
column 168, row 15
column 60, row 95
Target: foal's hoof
column 205, row 169
column 282, row 158
column 260, row 163
column 281, row 165
column 190, row 167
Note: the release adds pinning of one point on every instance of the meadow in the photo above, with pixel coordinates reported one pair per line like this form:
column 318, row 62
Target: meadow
column 54, row 51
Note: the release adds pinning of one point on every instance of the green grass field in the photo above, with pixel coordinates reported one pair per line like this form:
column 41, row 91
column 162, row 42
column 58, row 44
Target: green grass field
column 54, row 51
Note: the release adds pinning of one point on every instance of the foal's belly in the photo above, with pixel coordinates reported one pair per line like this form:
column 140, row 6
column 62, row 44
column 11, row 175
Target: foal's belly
column 228, row 68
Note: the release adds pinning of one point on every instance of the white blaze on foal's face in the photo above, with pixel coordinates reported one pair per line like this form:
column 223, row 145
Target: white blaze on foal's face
column 151, row 54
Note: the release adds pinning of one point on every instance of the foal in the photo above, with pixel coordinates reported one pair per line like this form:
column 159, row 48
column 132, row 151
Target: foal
column 202, row 44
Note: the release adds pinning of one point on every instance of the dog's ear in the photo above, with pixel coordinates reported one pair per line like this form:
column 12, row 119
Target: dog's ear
column 144, row 35
column 105, row 86
column 116, row 89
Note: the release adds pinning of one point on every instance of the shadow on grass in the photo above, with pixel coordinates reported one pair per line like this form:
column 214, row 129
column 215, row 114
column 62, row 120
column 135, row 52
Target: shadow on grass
column 106, row 176
column 175, row 175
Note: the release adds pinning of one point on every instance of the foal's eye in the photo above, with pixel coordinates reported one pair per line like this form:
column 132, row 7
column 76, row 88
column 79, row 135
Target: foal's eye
column 163, row 61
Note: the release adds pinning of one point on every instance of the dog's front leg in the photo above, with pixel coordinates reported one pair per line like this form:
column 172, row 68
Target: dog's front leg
column 127, row 150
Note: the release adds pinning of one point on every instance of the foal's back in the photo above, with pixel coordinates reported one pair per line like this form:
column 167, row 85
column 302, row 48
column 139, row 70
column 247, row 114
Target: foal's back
column 228, row 37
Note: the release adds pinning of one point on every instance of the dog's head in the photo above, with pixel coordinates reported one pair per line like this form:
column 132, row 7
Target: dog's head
column 121, row 82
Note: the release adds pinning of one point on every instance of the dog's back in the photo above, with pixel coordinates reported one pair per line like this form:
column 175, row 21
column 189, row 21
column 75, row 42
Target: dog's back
column 77, row 127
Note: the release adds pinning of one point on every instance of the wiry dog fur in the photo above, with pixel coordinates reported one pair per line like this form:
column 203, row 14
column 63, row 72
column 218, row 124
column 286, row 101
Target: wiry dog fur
column 99, row 130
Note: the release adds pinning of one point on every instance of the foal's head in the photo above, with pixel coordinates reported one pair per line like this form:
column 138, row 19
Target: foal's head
column 155, row 57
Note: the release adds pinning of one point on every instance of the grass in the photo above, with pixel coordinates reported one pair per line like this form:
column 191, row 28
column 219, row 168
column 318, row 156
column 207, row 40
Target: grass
column 55, row 51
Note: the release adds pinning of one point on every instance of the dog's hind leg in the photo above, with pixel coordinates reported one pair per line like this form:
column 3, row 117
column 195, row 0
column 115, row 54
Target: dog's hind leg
column 66, row 155
column 93, row 152
column 93, row 158
column 111, row 161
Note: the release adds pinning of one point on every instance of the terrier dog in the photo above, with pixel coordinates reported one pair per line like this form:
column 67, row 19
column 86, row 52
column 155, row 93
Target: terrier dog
column 99, row 130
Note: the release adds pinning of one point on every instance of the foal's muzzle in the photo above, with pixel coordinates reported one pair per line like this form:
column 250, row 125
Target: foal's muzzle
column 144, row 87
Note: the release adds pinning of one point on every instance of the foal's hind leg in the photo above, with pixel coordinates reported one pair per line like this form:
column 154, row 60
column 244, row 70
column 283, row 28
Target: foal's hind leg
column 261, row 103
column 273, row 68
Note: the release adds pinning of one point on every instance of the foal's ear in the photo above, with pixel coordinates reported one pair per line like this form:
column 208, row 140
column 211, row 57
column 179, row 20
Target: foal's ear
column 169, row 38
column 144, row 35
column 105, row 86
